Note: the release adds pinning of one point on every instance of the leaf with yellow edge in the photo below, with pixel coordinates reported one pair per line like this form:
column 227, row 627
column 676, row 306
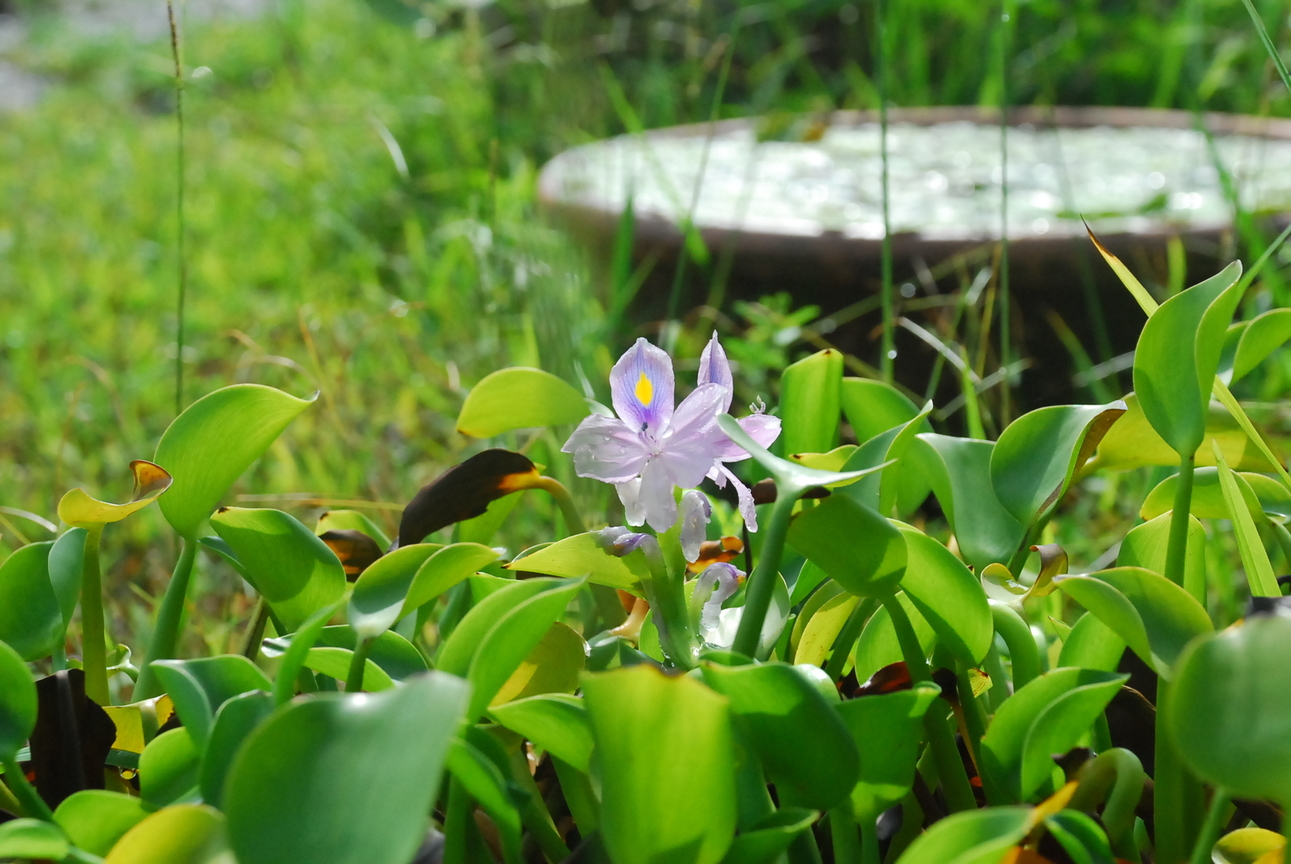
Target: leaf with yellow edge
column 1127, row 278
column 129, row 722
column 583, row 555
column 553, row 666
column 80, row 510
column 182, row 834
column 823, row 629
column 834, row 460
column 1251, row 846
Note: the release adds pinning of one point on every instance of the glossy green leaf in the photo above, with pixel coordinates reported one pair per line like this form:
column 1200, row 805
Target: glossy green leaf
column 1248, row 845
column 236, row 719
column 459, row 649
column 873, row 406
column 1230, row 709
column 485, row 784
column 293, row 658
column 1091, row 644
column 29, row 839
column 66, row 568
column 17, row 702
column 1178, row 354
column 378, row 598
column 959, row 471
column 284, row 560
column 1269, row 496
column 168, row 768
column 444, row 569
column 519, row 398
column 772, row 706
column 1154, row 616
column 213, row 441
column 1255, row 559
column 199, row 687
column 948, row 596
column 1146, row 546
column 767, row 839
column 822, row 627
column 78, row 509
column 95, row 819
column 1080, row 836
column 1053, row 710
column 971, row 837
column 335, row 663
column 31, row 619
column 1262, row 335
column 582, row 555
column 901, row 485
column 184, row 834
column 1036, row 457
column 290, row 795
column 554, row 722
column 791, row 478
column 352, row 520
column 654, row 736
column 887, row 729
column 809, row 403
column 856, row 546
column 398, row 657
column 878, row 645
column 553, row 666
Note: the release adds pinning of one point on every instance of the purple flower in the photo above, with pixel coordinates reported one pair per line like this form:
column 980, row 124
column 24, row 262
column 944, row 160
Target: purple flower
column 650, row 448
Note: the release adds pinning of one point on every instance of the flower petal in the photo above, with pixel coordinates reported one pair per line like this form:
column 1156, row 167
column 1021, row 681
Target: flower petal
column 722, row 580
column 630, row 495
column 642, row 386
column 606, row 449
column 762, row 428
column 714, row 369
column 694, row 440
column 745, row 496
column 656, row 497
column 695, row 513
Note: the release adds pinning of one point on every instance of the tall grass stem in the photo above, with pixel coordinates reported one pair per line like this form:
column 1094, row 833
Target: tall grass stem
column 886, row 361
column 181, row 228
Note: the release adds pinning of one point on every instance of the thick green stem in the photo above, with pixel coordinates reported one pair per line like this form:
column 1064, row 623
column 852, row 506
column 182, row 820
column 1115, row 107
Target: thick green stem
column 669, row 610
column 358, row 664
column 456, row 821
column 842, row 830
column 941, row 740
column 761, row 583
column 32, row 803
column 255, row 633
column 165, row 635
column 94, row 651
column 1178, row 795
column 1024, row 656
column 1216, row 816
column 1178, row 548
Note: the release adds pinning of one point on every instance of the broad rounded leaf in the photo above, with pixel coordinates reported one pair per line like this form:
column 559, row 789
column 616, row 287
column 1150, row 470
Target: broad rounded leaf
column 519, row 398
column 809, row 403
column 766, row 840
column 856, row 546
column 284, row 560
column 31, row 618
column 873, row 406
column 183, row 834
column 949, row 597
column 95, row 819
column 290, row 795
column 79, row 510
column 17, row 702
column 553, row 666
column 213, row 441
column 444, row 569
column 971, row 837
column 656, row 736
column 822, row 627
column 199, row 687
column 887, row 729
column 168, row 768
column 1146, row 546
column 554, row 722
column 1262, row 335
column 378, row 598
column 1249, row 845
column 30, row 839
column 235, row 720
column 1270, row 496
column 1091, row 644
column 583, row 555
column 1230, row 709
column 878, row 645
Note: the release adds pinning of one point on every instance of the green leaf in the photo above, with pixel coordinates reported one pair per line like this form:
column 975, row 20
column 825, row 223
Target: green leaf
column 1036, row 457
column 486, row 785
column 1154, row 616
column 66, row 568
column 1262, row 335
column 948, row 596
column 283, row 560
column 856, row 546
column 772, row 706
column 554, row 722
column 1248, row 845
column 654, row 736
column 459, row 649
column 1178, row 354
column 17, row 703
column 235, row 720
column 29, row 839
column 79, row 510
column 293, row 659
column 878, row 645
column 199, row 687
column 768, row 838
column 335, row 663
column 31, row 619
column 213, row 441
column 184, row 834
column 290, row 795
column 1146, row 546
column 519, row 398
column 95, row 819
column 351, row 520
column 1255, row 559
column 1270, row 496
column 873, row 406
column 809, row 403
column 1091, row 644
column 971, row 837
column 822, row 627
column 1229, row 708
column 444, row 569
column 959, row 471
column 378, row 598
column 398, row 657
column 887, row 760
column 582, row 555
column 791, row 478
column 1053, row 710
column 553, row 666
column 168, row 768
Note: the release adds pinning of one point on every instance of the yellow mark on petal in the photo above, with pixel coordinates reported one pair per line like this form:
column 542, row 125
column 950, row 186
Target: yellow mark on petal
column 644, row 390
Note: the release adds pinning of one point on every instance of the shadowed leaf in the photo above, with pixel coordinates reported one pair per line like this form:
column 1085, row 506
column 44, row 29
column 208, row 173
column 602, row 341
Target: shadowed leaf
column 71, row 740
column 464, row 492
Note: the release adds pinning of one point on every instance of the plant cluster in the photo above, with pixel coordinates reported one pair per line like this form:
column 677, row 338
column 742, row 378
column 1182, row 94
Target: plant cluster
column 805, row 676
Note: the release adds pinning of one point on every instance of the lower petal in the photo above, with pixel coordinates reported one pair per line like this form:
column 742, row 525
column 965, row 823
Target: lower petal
column 745, row 496
column 630, row 495
column 656, row 499
column 762, row 428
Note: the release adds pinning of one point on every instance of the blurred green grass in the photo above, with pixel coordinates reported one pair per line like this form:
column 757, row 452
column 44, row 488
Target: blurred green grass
column 361, row 215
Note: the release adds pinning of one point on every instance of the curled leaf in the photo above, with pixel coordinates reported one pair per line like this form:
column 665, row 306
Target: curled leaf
column 464, row 492
column 80, row 510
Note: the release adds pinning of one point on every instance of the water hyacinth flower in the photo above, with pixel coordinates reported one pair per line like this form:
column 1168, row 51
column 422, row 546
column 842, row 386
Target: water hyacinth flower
column 653, row 445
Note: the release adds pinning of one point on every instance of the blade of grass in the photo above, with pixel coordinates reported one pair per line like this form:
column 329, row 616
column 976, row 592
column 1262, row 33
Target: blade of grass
column 888, row 352
column 179, row 207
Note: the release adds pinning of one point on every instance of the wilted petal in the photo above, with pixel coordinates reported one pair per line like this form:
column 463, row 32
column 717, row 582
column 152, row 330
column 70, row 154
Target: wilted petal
column 606, row 449
column 656, row 497
column 695, row 513
column 642, row 386
column 630, row 495
column 745, row 496
column 723, row 581
column 713, row 369
column 619, row 541
column 762, row 428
